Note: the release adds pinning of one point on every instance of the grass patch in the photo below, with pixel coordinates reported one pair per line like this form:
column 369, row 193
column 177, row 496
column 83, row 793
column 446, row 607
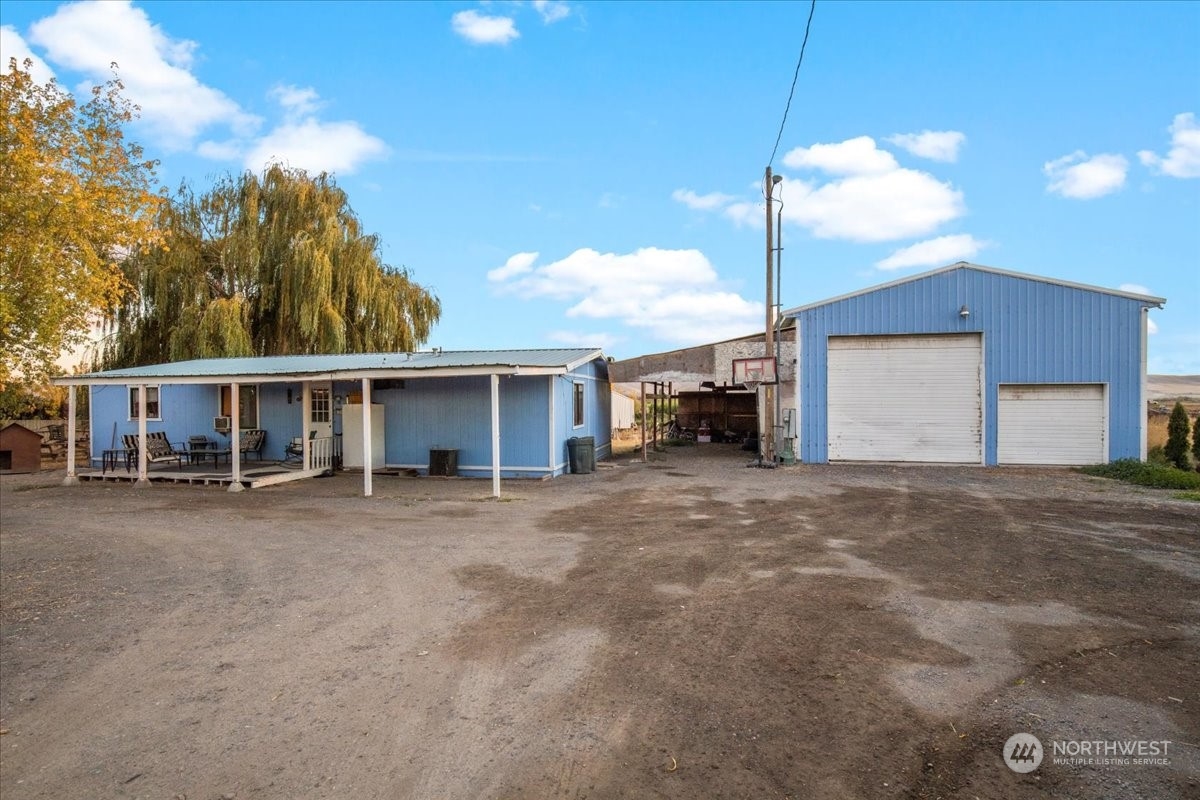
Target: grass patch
column 1193, row 496
column 1144, row 473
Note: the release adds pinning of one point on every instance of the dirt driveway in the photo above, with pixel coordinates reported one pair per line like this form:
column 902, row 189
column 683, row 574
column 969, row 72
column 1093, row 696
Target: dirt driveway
column 687, row 628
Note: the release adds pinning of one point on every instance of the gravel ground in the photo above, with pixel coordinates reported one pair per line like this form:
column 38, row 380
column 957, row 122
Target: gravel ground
column 683, row 628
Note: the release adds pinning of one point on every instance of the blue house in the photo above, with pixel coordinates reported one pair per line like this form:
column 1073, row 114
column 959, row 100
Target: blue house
column 500, row 413
column 971, row 364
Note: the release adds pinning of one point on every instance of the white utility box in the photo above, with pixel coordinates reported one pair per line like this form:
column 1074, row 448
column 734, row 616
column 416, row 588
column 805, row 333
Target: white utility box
column 352, row 436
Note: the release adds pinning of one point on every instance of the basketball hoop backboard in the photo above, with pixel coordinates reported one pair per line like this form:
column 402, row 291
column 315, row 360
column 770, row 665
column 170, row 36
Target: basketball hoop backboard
column 751, row 372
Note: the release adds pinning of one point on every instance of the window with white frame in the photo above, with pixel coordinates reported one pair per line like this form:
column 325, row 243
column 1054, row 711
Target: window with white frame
column 153, row 410
column 578, row 405
column 247, row 405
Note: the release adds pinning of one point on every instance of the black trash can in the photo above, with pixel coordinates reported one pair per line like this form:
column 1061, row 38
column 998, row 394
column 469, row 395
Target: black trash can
column 443, row 463
column 581, row 453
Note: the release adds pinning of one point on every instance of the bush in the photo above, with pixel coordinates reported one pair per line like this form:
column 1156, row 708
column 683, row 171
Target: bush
column 1143, row 473
column 1177, row 437
column 1155, row 455
column 1196, row 443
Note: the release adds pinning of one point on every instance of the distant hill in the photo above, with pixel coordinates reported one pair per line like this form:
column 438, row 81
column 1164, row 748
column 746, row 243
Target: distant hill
column 1159, row 387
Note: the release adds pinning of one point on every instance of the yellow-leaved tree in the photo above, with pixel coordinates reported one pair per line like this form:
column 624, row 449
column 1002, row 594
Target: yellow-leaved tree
column 76, row 198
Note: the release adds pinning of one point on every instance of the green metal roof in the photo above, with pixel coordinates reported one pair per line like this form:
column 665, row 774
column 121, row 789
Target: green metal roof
column 349, row 365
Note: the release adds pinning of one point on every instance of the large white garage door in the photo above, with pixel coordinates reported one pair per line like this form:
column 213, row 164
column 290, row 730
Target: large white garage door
column 905, row 398
column 1051, row 424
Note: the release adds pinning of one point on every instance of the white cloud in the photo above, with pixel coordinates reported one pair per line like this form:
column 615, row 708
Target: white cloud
column 934, row 145
column 1134, row 288
column 176, row 107
column 934, row 252
column 552, row 10
column 315, row 146
column 13, row 45
column 518, row 264
column 674, row 294
column 481, row 29
column 701, row 202
column 893, row 205
column 871, row 198
column 1082, row 178
column 1183, row 160
column 302, row 101
column 604, row 341
column 858, row 156
column 1151, row 328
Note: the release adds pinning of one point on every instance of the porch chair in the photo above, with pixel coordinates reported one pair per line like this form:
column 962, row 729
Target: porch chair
column 252, row 441
column 158, row 449
column 295, row 449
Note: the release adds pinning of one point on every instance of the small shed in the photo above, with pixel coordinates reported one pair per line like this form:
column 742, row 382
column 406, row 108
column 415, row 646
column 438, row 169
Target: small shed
column 20, row 449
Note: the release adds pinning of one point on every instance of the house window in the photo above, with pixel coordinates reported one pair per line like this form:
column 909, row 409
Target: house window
column 152, row 406
column 322, row 407
column 247, row 405
column 578, row 405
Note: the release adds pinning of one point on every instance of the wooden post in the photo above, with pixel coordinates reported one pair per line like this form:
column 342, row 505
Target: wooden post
column 70, row 480
column 495, row 435
column 235, row 438
column 143, row 479
column 767, row 434
column 368, row 456
column 306, row 420
column 643, row 421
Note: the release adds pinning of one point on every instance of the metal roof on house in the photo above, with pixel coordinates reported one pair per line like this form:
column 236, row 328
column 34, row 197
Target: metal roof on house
column 1150, row 300
column 350, row 365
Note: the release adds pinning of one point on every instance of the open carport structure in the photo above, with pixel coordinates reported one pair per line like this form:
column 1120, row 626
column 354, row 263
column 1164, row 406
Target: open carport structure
column 503, row 413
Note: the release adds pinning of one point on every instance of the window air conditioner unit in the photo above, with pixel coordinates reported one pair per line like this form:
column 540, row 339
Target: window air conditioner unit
column 221, row 424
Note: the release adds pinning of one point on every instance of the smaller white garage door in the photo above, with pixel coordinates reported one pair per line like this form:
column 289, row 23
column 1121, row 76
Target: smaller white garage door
column 1051, row 424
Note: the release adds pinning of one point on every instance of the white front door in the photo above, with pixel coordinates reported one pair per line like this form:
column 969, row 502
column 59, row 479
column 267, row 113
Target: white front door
column 321, row 410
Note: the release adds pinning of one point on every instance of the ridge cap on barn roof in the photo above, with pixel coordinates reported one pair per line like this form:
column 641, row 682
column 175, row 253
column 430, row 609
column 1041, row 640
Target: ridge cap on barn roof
column 1149, row 299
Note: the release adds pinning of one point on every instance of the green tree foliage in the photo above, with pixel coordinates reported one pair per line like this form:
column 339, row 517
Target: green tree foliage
column 1176, row 449
column 1196, row 443
column 270, row 265
column 22, row 400
column 75, row 198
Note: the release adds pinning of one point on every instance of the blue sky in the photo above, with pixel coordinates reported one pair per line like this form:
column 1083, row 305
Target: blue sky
column 570, row 173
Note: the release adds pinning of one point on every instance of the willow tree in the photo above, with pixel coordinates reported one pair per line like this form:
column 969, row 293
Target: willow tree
column 75, row 198
column 275, row 264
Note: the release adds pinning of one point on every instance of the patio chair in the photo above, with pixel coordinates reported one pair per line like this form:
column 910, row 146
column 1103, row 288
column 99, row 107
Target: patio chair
column 158, row 449
column 252, row 441
column 295, row 449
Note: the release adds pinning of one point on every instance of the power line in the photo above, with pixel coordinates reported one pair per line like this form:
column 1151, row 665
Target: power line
column 799, row 61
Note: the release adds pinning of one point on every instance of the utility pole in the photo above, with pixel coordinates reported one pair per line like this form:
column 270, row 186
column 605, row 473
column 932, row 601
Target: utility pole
column 766, row 437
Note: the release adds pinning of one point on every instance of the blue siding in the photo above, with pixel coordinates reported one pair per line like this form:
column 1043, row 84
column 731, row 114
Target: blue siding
column 427, row 413
column 455, row 413
column 1033, row 332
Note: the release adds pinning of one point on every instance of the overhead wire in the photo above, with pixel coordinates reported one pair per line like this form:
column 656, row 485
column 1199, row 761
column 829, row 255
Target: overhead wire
column 799, row 61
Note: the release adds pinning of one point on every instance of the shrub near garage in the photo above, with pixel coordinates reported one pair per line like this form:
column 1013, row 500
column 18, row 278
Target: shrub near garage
column 1159, row 476
column 1176, row 448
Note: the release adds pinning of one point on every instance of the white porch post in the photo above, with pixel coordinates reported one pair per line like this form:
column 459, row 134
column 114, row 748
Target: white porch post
column 495, row 435
column 70, row 480
column 368, row 457
column 143, row 479
column 306, row 420
column 235, row 438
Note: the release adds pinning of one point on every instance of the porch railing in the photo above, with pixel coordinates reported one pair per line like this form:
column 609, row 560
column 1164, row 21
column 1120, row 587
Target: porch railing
column 321, row 453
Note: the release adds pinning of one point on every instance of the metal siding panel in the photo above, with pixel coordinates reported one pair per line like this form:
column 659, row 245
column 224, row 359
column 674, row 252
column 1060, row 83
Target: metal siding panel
column 522, row 421
column 1051, row 424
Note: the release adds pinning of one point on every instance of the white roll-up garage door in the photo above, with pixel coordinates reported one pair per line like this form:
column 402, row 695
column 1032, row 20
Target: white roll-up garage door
column 1051, row 424
column 905, row 398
